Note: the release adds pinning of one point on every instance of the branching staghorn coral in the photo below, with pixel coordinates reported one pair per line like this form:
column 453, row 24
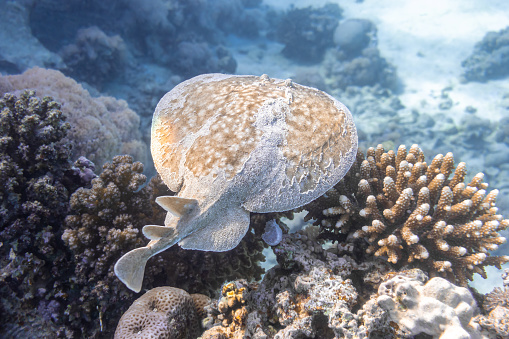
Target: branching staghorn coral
column 412, row 212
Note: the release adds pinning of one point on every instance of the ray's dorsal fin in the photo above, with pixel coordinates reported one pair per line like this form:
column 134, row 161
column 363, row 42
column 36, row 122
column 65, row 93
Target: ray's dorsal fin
column 176, row 205
column 156, row 232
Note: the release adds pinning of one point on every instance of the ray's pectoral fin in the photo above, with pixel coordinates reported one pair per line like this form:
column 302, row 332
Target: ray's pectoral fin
column 156, row 232
column 176, row 205
column 223, row 232
column 131, row 267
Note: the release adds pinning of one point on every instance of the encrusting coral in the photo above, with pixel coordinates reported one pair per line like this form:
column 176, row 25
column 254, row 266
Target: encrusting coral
column 306, row 295
column 412, row 212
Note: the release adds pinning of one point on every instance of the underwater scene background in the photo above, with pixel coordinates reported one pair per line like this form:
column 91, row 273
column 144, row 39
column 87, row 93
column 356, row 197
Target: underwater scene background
column 79, row 82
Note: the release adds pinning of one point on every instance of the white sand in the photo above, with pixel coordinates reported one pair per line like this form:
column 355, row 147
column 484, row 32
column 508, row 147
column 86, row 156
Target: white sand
column 427, row 41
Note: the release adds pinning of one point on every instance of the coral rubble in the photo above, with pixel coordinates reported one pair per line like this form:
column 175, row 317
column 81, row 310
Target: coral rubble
column 356, row 59
column 412, row 212
column 95, row 57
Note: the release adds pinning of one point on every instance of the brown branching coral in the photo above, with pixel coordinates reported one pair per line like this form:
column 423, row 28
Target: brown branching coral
column 104, row 221
column 412, row 212
column 37, row 178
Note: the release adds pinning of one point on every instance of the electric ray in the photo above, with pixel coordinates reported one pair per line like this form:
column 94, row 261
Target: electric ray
column 235, row 144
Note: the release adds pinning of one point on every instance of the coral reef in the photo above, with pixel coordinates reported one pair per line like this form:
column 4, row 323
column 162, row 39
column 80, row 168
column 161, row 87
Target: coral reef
column 307, row 32
column 489, row 59
column 356, row 60
column 354, row 35
column 106, row 221
column 305, row 295
column 317, row 293
column 101, row 127
column 162, row 312
column 37, row 179
column 410, row 212
column 191, row 59
column 477, row 140
column 496, row 307
column 95, row 57
column 367, row 69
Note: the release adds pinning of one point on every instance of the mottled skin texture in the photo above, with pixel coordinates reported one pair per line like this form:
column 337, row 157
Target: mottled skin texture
column 230, row 145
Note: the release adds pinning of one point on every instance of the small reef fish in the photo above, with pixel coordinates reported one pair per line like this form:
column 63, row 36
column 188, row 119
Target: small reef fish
column 235, row 144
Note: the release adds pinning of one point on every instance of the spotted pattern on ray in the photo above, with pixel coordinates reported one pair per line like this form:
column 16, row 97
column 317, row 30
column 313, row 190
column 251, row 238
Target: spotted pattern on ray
column 222, row 115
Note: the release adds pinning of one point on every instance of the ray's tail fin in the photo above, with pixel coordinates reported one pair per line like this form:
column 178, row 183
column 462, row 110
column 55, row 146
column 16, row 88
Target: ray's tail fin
column 131, row 267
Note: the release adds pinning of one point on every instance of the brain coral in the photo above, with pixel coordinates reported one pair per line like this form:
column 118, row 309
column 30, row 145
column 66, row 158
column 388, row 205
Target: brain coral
column 162, row 312
column 412, row 212
column 101, row 127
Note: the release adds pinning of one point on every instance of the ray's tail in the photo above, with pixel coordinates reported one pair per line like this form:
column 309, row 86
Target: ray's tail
column 131, row 267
